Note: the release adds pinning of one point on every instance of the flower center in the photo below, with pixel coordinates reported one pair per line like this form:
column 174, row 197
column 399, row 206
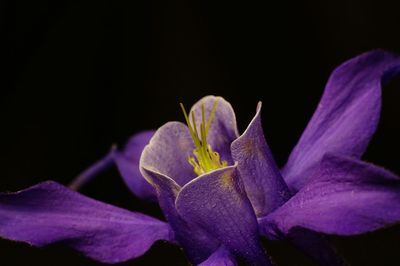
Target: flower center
column 205, row 159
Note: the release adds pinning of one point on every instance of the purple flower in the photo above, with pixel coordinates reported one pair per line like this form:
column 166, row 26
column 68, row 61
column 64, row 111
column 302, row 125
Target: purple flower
column 220, row 191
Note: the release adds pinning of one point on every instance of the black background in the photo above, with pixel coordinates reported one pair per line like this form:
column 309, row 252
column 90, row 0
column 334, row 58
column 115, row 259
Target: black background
column 80, row 77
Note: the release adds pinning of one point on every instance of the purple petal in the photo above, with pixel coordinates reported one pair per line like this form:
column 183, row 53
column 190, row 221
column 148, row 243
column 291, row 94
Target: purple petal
column 198, row 244
column 346, row 117
column 49, row 213
column 221, row 257
column 261, row 177
column 345, row 197
column 168, row 152
column 223, row 129
column 127, row 161
column 217, row 202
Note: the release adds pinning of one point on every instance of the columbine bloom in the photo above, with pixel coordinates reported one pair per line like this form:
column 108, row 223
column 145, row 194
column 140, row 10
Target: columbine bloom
column 220, row 190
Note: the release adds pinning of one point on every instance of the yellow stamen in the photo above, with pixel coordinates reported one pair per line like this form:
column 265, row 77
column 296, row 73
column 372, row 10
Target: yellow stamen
column 205, row 159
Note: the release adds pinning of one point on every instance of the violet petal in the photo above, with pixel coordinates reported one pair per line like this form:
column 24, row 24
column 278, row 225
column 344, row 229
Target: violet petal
column 198, row 244
column 50, row 213
column 127, row 161
column 217, row 202
column 221, row 257
column 346, row 117
column 168, row 152
column 261, row 177
column 345, row 197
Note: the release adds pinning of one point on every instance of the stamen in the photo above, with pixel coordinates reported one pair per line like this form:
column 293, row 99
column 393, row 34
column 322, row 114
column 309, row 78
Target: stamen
column 211, row 115
column 205, row 159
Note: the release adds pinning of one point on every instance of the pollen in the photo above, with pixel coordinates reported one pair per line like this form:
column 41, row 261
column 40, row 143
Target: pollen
column 204, row 158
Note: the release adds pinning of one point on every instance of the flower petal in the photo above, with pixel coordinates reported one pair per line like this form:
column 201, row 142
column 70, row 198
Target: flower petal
column 261, row 177
column 223, row 129
column 49, row 213
column 198, row 244
column 221, row 257
column 345, row 197
column 168, row 151
column 217, row 202
column 346, row 117
column 127, row 161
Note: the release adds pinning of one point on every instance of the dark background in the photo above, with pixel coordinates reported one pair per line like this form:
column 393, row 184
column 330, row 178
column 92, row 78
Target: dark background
column 80, row 77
